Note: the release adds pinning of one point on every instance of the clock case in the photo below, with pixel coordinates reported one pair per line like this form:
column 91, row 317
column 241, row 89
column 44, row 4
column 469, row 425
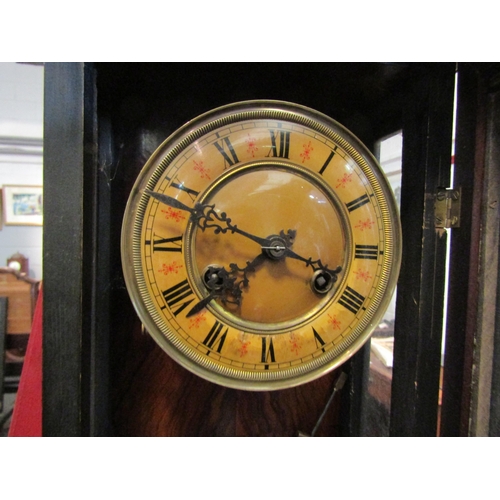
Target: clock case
column 104, row 376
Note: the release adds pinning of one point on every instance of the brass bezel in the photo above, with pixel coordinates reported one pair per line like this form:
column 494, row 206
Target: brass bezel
column 138, row 201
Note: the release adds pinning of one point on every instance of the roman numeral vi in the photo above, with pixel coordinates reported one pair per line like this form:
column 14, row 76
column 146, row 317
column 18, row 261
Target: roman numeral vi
column 267, row 351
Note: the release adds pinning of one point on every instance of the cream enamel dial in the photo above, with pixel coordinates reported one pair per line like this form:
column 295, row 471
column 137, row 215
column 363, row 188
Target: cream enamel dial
column 261, row 245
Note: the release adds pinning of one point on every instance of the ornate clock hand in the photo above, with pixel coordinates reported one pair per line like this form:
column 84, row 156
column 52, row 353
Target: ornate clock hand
column 168, row 200
column 204, row 215
column 281, row 247
column 275, row 247
column 225, row 285
column 323, row 278
column 316, row 265
column 202, row 303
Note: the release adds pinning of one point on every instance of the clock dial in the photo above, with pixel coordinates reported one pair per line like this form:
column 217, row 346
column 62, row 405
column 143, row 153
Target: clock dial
column 261, row 245
column 283, row 200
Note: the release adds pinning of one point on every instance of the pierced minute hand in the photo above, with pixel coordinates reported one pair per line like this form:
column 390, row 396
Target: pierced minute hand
column 204, row 216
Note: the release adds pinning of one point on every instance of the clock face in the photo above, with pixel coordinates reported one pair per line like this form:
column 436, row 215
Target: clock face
column 261, row 245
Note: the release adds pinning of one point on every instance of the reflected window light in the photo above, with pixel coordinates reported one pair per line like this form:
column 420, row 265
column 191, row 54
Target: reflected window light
column 378, row 398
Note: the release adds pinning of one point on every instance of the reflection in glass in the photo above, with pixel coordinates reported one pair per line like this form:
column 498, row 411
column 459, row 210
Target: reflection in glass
column 377, row 404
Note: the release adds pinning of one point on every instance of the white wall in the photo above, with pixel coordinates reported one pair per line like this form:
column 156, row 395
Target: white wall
column 21, row 146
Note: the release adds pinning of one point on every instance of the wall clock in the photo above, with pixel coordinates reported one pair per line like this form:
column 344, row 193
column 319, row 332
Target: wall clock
column 261, row 245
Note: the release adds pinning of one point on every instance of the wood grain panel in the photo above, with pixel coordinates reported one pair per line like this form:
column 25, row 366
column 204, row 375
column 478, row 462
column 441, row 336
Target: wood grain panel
column 154, row 396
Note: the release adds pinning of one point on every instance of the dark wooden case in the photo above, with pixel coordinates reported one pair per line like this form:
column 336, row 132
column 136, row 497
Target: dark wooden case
column 104, row 376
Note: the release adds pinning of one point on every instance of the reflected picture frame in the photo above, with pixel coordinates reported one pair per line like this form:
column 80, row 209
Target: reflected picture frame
column 22, row 205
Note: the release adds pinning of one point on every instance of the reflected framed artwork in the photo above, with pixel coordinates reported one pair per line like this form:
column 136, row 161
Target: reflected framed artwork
column 22, row 205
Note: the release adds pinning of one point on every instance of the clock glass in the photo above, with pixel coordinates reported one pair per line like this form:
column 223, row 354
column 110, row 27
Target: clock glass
column 261, row 245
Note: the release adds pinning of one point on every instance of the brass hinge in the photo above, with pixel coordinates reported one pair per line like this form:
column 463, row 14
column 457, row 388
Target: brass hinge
column 447, row 208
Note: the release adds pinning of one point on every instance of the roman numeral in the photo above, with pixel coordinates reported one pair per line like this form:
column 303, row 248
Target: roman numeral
column 228, row 161
column 280, row 144
column 176, row 294
column 358, row 202
column 351, row 300
column 319, row 341
column 327, row 162
column 214, row 340
column 366, row 252
column 267, row 351
column 180, row 185
column 166, row 244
